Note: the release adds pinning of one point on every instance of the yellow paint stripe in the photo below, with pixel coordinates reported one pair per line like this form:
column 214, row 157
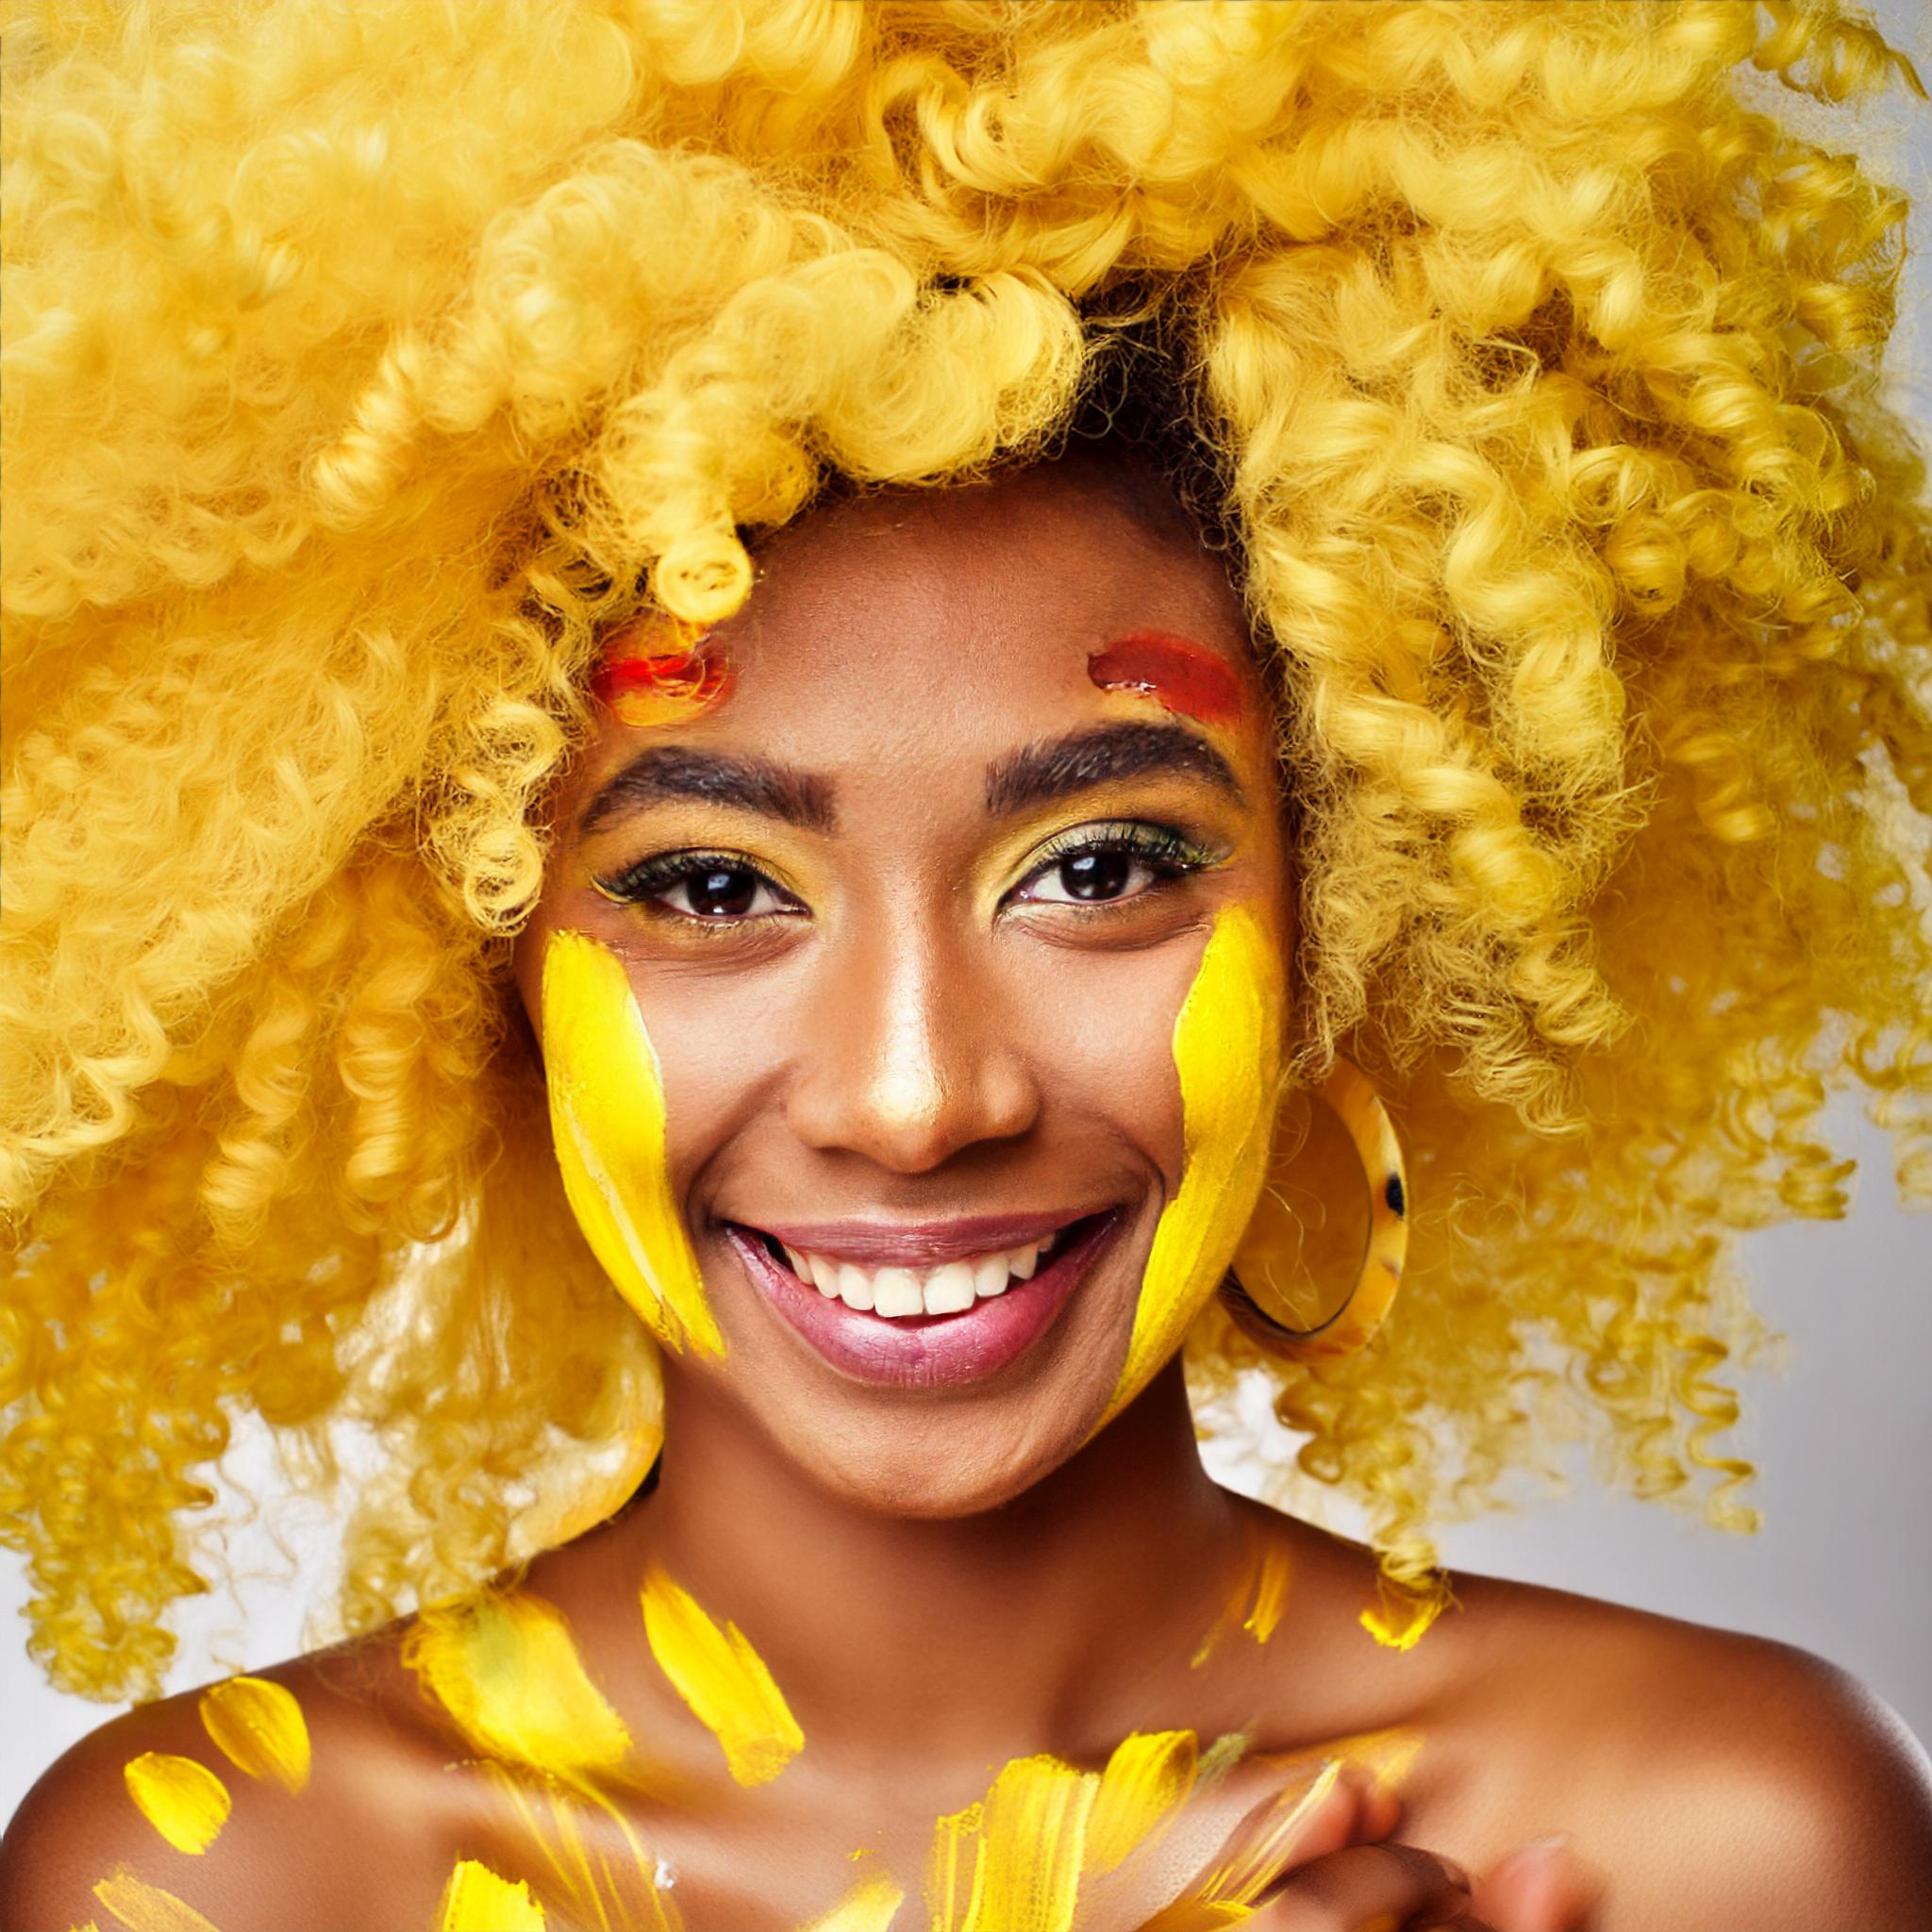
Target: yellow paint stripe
column 508, row 1670
column 1227, row 1051
column 869, row 1906
column 476, row 1900
column 184, row 1801
column 608, row 1127
column 722, row 1679
column 259, row 1727
column 143, row 1908
column 1145, row 1782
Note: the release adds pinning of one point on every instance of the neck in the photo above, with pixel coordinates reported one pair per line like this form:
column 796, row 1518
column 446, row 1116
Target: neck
column 1030, row 1626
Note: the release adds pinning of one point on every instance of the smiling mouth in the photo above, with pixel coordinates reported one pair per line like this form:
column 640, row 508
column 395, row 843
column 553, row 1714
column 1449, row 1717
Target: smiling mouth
column 918, row 1295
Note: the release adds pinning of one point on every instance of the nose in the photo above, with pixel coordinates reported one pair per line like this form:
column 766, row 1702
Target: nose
column 907, row 1062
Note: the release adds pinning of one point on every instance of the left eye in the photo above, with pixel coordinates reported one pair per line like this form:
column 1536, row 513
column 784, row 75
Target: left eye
column 1091, row 878
column 720, row 891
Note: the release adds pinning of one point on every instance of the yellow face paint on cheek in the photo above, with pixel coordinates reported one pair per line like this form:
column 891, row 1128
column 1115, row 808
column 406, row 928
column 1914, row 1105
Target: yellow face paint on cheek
column 1227, row 1051
column 476, row 1900
column 184, row 1801
column 607, row 1119
column 259, row 1727
column 724, row 1680
column 507, row 1672
column 143, row 1908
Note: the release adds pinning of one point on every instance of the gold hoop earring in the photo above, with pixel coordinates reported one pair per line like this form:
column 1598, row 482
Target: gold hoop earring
column 1266, row 1293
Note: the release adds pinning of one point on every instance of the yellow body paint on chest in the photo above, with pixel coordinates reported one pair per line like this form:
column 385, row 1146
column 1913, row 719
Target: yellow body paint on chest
column 1227, row 1051
column 869, row 1906
column 606, row 1120
column 184, row 1801
column 724, row 1680
column 143, row 1908
column 1145, row 1783
column 506, row 1670
column 259, row 1727
column 1015, row 1861
column 476, row 1900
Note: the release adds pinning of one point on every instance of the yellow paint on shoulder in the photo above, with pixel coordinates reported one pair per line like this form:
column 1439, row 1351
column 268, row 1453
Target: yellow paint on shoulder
column 1012, row 1863
column 259, row 1727
column 184, row 1801
column 869, row 1906
column 143, row 1908
column 1227, row 1051
column 608, row 1123
column 1256, row 1598
column 508, row 1670
column 722, row 1679
column 476, row 1900
column 1146, row 1781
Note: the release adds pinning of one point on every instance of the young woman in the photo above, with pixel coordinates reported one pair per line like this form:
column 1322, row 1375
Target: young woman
column 741, row 1011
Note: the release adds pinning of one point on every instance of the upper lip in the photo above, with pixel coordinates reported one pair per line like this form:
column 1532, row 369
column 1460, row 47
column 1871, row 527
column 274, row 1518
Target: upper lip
column 914, row 1243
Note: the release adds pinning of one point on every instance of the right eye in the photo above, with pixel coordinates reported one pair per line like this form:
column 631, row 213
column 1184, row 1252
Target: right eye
column 715, row 887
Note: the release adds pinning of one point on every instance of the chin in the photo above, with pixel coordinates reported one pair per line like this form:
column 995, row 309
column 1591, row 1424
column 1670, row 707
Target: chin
column 934, row 1474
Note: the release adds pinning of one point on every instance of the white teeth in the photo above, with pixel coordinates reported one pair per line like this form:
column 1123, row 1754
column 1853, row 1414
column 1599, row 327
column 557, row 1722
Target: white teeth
column 950, row 1289
column 897, row 1292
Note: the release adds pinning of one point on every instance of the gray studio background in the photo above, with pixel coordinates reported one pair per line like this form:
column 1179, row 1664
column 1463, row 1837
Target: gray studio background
column 1843, row 1439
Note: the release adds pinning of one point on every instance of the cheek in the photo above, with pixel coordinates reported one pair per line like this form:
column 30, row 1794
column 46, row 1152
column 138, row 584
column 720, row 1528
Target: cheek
column 1228, row 1059
column 607, row 1120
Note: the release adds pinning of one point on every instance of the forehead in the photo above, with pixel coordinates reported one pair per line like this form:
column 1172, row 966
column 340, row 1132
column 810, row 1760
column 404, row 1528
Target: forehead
column 949, row 599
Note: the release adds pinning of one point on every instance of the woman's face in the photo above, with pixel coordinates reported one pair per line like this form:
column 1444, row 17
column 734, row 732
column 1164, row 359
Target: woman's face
column 909, row 897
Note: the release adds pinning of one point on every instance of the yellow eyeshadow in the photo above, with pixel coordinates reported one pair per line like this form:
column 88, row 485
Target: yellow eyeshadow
column 476, row 1900
column 608, row 1123
column 184, row 1801
column 259, row 1727
column 1227, row 1051
column 722, row 1679
column 143, row 1908
column 508, row 1670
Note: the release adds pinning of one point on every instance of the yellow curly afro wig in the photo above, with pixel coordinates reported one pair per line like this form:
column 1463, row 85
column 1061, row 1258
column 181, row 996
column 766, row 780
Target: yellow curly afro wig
column 364, row 360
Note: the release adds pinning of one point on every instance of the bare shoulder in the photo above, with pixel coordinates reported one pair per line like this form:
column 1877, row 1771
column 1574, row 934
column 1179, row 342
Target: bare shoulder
column 296, row 1797
column 1721, row 1780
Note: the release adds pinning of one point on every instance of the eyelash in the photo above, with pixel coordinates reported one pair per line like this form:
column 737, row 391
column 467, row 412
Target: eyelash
column 1167, row 850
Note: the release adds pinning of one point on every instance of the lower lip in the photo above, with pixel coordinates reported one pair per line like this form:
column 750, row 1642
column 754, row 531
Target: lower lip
column 925, row 1351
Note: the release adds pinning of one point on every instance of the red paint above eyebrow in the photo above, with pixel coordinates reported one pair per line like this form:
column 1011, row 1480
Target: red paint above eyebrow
column 1181, row 676
column 643, row 687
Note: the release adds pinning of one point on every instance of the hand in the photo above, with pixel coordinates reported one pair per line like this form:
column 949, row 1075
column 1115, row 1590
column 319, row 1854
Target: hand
column 1324, row 1861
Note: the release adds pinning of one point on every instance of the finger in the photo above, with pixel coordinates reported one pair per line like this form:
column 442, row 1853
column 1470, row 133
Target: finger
column 1374, row 1886
column 1543, row 1887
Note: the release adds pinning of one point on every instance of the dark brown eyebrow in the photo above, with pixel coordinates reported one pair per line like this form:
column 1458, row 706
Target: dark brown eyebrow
column 1103, row 755
column 675, row 771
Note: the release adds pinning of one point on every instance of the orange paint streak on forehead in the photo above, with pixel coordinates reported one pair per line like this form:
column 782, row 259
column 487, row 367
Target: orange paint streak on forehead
column 660, row 671
column 1179, row 676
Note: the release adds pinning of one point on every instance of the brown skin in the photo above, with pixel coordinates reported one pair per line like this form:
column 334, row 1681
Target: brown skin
column 945, row 1581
